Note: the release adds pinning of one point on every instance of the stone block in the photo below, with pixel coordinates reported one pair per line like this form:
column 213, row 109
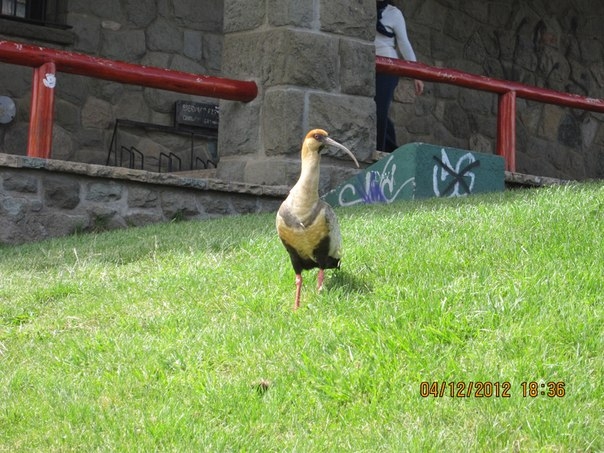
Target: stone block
column 282, row 121
column 74, row 88
column 67, row 115
column 192, row 44
column 141, row 218
column 104, row 192
column 140, row 197
column 132, row 106
column 20, row 183
column 97, row 113
column 291, row 13
column 273, row 172
column 354, row 18
column 420, row 170
column 212, row 53
column 239, row 134
column 141, row 12
column 88, row 31
column 244, row 205
column 13, row 207
column 357, row 67
column 240, row 15
column 283, row 57
column 60, row 192
column 16, row 80
column 231, row 169
column 216, row 205
column 56, row 224
column 62, row 143
column 164, row 36
column 243, row 55
column 127, row 45
column 348, row 119
column 180, row 63
column 179, row 205
column 104, row 218
column 15, row 139
column 206, row 15
column 456, row 120
column 299, row 63
column 480, row 143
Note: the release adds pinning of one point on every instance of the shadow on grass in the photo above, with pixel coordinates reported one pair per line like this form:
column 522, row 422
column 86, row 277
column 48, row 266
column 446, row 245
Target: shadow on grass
column 348, row 283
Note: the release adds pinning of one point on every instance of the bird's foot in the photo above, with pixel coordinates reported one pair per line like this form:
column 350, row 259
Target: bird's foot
column 320, row 277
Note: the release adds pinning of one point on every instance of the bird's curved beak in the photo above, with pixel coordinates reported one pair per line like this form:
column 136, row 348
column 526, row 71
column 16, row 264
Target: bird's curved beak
column 332, row 142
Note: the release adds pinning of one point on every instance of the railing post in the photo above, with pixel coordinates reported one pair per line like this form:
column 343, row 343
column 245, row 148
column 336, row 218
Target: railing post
column 42, row 111
column 506, row 129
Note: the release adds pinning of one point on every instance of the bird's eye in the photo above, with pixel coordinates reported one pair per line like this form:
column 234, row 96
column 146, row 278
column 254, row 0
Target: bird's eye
column 317, row 137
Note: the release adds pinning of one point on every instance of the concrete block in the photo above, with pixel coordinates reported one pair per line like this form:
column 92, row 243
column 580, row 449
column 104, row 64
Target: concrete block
column 239, row 133
column 297, row 63
column 357, row 67
column 348, row 119
column 352, row 18
column 240, row 15
column 282, row 120
column 290, row 12
column 420, row 170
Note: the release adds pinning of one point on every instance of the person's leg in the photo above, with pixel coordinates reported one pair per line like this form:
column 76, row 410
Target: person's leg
column 390, row 144
column 384, row 91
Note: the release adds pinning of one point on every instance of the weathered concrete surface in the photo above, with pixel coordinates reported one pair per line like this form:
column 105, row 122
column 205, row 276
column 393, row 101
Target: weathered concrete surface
column 42, row 198
column 421, row 170
column 315, row 65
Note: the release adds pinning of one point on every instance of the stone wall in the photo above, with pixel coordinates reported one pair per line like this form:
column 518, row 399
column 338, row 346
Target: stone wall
column 42, row 198
column 183, row 35
column 313, row 61
column 557, row 45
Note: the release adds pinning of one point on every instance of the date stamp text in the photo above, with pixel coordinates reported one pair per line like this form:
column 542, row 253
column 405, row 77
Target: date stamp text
column 491, row 389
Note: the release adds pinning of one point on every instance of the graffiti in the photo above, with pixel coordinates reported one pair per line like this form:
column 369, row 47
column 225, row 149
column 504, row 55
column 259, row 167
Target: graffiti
column 50, row 81
column 421, row 170
column 374, row 186
column 455, row 177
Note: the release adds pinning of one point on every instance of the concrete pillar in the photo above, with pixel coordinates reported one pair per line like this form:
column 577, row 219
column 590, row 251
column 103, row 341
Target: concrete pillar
column 314, row 63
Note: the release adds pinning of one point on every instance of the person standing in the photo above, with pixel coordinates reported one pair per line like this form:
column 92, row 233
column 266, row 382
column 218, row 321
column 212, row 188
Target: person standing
column 390, row 40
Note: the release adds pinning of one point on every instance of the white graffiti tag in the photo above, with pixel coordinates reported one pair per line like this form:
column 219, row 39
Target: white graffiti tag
column 376, row 187
column 50, row 81
column 456, row 177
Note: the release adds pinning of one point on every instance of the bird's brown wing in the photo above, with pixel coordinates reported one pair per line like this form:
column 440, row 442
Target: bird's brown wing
column 335, row 239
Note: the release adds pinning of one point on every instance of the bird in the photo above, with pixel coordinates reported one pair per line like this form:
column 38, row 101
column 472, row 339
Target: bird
column 307, row 225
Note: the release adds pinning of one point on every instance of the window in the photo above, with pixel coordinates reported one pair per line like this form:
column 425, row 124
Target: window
column 44, row 12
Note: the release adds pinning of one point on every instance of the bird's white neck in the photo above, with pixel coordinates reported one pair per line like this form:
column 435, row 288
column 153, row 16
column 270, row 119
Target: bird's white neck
column 306, row 191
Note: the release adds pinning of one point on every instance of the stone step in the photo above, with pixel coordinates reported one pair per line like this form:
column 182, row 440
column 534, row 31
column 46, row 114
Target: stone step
column 513, row 180
column 202, row 174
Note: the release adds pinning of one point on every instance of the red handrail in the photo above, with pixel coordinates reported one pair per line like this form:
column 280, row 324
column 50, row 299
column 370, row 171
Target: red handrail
column 507, row 91
column 46, row 62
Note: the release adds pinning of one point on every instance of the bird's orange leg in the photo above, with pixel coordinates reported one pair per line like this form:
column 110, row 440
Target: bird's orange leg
column 320, row 277
column 298, row 289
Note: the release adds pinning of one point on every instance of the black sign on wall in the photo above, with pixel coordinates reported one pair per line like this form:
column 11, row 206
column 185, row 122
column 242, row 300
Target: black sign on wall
column 196, row 114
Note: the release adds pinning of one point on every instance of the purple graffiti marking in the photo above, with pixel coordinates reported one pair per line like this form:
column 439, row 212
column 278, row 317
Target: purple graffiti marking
column 375, row 187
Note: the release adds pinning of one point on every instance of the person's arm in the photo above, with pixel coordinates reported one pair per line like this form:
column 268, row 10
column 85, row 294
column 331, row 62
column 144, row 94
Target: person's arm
column 402, row 39
column 405, row 48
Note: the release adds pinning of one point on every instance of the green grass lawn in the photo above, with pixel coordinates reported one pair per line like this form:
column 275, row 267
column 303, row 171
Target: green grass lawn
column 182, row 337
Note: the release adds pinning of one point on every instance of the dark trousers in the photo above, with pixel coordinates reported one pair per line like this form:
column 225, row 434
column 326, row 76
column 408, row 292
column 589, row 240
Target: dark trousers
column 384, row 92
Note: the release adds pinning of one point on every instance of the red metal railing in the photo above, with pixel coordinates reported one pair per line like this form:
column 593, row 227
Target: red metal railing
column 47, row 62
column 507, row 91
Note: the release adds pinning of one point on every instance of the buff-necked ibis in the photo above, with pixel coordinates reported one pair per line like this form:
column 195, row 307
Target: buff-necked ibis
column 307, row 225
